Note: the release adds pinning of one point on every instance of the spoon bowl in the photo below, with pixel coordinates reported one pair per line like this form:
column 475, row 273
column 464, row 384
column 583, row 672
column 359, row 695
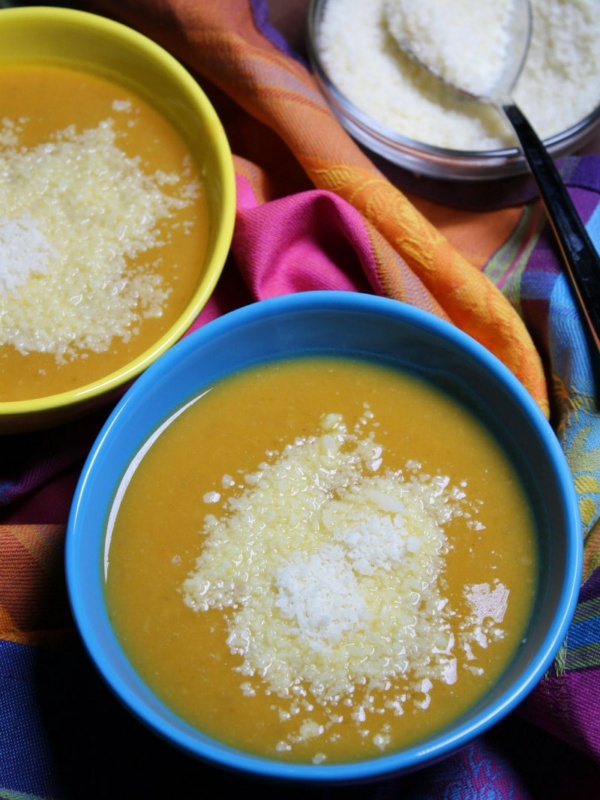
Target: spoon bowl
column 518, row 32
column 442, row 54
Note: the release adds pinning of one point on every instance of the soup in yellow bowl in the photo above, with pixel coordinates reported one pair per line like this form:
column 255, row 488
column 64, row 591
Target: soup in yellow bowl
column 117, row 198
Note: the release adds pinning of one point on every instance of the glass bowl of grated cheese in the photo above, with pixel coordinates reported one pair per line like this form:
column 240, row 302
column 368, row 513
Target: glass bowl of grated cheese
column 400, row 112
column 369, row 567
column 117, row 204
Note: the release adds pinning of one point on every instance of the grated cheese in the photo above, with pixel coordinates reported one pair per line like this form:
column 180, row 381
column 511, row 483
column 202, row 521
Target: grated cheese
column 443, row 35
column 557, row 89
column 24, row 251
column 329, row 570
column 74, row 212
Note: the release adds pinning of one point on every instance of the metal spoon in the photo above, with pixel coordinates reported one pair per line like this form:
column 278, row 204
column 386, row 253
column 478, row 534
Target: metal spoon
column 579, row 254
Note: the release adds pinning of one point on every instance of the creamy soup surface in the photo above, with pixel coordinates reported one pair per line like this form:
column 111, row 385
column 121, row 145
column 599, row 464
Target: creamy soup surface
column 321, row 560
column 103, row 228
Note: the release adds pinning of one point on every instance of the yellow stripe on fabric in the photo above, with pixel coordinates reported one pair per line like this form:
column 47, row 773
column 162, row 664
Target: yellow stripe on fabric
column 591, row 552
column 583, row 657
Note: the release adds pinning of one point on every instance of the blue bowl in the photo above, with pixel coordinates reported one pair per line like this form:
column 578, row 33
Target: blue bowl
column 333, row 323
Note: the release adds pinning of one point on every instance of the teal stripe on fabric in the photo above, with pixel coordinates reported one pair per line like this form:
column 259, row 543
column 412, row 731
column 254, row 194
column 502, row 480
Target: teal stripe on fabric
column 593, row 226
column 9, row 794
column 578, row 429
column 584, row 634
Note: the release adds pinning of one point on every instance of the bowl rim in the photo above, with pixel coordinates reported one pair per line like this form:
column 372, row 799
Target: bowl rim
column 420, row 157
column 102, row 26
column 437, row 746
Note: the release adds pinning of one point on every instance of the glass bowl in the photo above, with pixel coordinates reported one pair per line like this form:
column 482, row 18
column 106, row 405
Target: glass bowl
column 421, row 158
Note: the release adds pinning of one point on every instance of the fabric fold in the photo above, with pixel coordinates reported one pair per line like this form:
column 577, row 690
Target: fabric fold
column 221, row 43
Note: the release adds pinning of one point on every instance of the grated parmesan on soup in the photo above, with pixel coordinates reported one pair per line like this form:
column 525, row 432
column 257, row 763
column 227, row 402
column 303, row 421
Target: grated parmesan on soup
column 329, row 568
column 75, row 211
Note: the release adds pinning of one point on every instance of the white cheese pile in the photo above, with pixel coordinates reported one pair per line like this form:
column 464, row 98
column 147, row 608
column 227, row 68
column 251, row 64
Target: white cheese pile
column 465, row 43
column 559, row 86
column 328, row 567
column 74, row 211
column 24, row 251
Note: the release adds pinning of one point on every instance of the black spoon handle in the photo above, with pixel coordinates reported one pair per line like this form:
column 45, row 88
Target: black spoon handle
column 578, row 251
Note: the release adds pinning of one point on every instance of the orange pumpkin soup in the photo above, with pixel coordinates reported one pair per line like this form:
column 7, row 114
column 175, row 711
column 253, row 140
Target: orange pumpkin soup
column 321, row 560
column 103, row 227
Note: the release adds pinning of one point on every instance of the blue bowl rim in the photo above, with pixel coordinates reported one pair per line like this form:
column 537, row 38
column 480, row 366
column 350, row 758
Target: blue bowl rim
column 436, row 747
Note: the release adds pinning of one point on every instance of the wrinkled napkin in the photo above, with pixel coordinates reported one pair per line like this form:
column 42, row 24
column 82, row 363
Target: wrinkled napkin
column 313, row 212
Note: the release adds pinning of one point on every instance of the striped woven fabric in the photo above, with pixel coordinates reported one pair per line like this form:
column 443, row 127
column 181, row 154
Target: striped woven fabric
column 567, row 701
column 313, row 211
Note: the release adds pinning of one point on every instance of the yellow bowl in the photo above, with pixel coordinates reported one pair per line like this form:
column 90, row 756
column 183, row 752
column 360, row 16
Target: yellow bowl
column 94, row 44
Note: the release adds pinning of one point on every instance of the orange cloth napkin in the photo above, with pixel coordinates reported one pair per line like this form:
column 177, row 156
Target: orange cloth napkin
column 291, row 138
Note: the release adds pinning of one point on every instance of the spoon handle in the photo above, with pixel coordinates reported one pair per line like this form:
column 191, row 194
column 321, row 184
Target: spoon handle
column 578, row 251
